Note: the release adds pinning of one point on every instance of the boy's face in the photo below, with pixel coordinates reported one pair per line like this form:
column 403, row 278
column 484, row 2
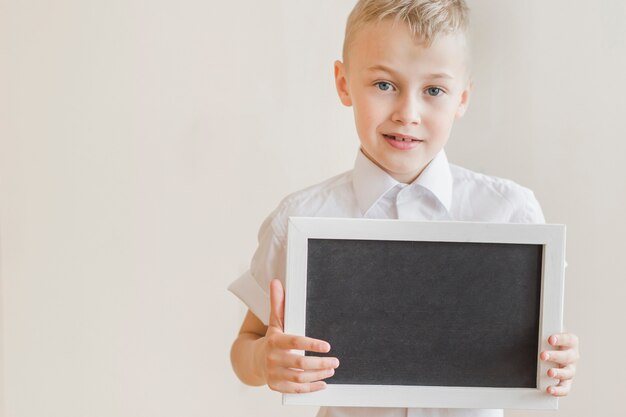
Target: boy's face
column 400, row 89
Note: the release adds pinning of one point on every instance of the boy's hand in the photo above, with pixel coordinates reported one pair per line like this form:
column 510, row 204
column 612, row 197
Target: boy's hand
column 284, row 371
column 566, row 358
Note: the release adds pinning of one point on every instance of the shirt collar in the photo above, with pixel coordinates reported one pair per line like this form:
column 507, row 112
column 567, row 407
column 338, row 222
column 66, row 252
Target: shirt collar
column 371, row 182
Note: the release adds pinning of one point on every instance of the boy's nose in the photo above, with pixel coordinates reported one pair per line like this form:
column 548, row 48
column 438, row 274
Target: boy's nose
column 407, row 111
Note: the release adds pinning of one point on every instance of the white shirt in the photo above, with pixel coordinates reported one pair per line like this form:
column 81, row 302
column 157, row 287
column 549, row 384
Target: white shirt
column 442, row 191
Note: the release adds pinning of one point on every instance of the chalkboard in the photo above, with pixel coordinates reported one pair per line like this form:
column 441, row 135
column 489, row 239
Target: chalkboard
column 426, row 313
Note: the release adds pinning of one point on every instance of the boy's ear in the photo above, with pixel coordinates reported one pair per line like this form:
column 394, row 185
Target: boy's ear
column 465, row 99
column 341, row 82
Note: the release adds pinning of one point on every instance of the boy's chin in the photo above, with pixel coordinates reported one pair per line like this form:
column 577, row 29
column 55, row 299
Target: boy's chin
column 404, row 168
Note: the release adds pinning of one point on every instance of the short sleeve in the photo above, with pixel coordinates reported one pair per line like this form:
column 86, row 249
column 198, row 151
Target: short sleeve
column 268, row 262
column 528, row 210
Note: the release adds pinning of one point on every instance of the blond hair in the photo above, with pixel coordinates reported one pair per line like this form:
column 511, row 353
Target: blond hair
column 426, row 19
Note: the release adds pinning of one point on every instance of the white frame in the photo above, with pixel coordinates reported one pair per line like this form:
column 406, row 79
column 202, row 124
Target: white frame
column 552, row 237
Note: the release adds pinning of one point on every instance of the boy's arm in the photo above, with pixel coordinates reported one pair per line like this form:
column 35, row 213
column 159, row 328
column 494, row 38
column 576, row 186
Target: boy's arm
column 261, row 355
column 242, row 354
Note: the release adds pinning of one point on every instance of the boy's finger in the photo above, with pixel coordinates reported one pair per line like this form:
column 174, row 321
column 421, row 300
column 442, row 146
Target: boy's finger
column 564, row 339
column 566, row 372
column 309, row 362
column 287, row 387
column 277, row 304
column 563, row 357
column 302, row 343
column 560, row 390
column 308, row 376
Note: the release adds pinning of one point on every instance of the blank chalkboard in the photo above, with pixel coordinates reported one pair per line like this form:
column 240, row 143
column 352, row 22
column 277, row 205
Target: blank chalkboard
column 426, row 313
column 433, row 314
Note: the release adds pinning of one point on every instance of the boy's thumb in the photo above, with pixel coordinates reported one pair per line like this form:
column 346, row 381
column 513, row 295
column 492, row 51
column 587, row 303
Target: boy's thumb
column 277, row 304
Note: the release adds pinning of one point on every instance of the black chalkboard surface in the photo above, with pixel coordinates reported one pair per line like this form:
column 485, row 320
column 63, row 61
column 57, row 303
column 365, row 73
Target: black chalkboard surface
column 426, row 313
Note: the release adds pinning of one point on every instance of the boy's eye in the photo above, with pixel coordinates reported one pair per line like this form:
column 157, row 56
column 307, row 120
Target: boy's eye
column 383, row 85
column 433, row 91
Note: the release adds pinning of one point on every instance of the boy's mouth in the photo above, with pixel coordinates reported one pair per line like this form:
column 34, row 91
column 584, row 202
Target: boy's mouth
column 401, row 138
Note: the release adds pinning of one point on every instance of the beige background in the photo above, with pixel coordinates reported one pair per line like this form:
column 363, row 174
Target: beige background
column 143, row 142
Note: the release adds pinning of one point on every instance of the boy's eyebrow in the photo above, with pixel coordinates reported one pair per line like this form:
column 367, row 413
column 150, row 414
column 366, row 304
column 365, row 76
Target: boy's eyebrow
column 380, row 67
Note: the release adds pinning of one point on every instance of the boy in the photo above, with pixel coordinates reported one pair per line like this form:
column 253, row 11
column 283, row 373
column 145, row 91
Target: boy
column 405, row 74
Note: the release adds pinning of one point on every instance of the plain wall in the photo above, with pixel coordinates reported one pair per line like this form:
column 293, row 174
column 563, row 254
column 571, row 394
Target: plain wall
column 142, row 143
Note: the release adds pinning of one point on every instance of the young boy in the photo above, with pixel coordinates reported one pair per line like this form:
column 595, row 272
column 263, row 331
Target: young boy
column 405, row 73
